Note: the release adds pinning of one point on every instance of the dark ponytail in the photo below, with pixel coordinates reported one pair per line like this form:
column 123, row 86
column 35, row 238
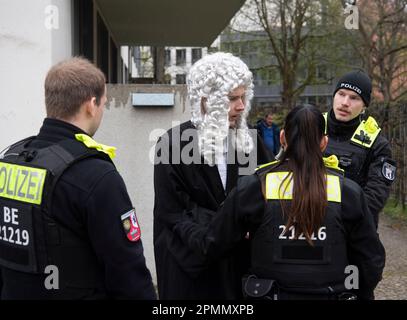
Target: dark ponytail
column 304, row 129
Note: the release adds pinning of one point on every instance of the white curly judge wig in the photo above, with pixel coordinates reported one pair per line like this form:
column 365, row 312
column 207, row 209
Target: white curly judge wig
column 211, row 79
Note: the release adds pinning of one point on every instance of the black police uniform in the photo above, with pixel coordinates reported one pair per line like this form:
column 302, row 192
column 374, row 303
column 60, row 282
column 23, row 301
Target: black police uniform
column 365, row 159
column 77, row 225
column 284, row 268
column 193, row 191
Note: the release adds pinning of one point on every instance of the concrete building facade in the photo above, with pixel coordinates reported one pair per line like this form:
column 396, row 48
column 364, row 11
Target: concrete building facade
column 178, row 61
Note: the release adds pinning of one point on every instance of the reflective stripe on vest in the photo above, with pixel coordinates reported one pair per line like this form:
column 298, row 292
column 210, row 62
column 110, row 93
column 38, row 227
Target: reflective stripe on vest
column 276, row 179
column 21, row 183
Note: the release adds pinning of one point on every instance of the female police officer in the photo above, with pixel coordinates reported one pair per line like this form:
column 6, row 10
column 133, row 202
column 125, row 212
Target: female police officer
column 313, row 228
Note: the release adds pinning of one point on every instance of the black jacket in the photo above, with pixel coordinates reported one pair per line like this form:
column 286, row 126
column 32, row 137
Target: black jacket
column 185, row 192
column 88, row 200
column 366, row 165
column 350, row 238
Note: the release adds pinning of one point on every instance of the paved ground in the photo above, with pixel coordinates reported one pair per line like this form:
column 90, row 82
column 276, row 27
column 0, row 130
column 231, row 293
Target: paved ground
column 394, row 237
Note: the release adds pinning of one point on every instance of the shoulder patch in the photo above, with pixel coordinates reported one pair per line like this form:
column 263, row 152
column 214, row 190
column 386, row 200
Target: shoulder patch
column 389, row 171
column 131, row 226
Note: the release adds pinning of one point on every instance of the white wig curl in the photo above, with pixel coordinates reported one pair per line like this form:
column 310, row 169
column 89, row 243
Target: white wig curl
column 213, row 77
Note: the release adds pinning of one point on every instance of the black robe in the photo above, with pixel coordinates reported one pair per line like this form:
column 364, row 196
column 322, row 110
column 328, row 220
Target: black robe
column 194, row 191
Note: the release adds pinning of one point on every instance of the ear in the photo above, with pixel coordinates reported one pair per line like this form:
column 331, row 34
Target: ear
column 282, row 139
column 91, row 106
column 324, row 143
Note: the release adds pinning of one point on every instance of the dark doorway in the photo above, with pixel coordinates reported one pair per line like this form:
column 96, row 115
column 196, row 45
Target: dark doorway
column 83, row 28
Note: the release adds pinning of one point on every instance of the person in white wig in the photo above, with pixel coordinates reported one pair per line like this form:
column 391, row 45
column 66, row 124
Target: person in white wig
column 197, row 164
column 220, row 89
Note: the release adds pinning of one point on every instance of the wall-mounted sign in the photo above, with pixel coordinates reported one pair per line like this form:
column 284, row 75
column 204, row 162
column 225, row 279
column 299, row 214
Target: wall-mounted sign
column 153, row 99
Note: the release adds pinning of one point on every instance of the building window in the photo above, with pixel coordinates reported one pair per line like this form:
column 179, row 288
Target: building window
column 245, row 48
column 102, row 47
column 83, row 28
column 256, row 77
column 181, row 57
column 323, row 102
column 167, row 57
column 167, row 78
column 236, row 49
column 226, row 47
column 113, row 62
column 312, row 100
column 273, row 77
column 322, row 74
column 302, row 100
column 180, row 79
column 196, row 55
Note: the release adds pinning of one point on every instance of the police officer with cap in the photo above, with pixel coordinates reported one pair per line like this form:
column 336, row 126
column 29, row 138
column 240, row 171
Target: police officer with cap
column 363, row 152
column 68, row 227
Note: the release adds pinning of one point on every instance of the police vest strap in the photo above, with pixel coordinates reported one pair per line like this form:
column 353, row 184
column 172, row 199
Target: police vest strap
column 325, row 114
column 90, row 143
column 266, row 165
column 65, row 154
column 366, row 133
column 19, row 146
column 279, row 186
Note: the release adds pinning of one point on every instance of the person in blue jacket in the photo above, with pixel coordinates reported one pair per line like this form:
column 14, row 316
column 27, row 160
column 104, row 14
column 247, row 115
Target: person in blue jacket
column 270, row 133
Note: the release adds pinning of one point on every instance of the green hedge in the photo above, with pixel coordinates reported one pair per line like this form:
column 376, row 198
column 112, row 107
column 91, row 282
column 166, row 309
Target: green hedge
column 395, row 211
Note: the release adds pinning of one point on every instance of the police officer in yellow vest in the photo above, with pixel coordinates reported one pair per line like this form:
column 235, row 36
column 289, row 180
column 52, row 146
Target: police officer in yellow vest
column 68, row 229
column 363, row 152
column 309, row 226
